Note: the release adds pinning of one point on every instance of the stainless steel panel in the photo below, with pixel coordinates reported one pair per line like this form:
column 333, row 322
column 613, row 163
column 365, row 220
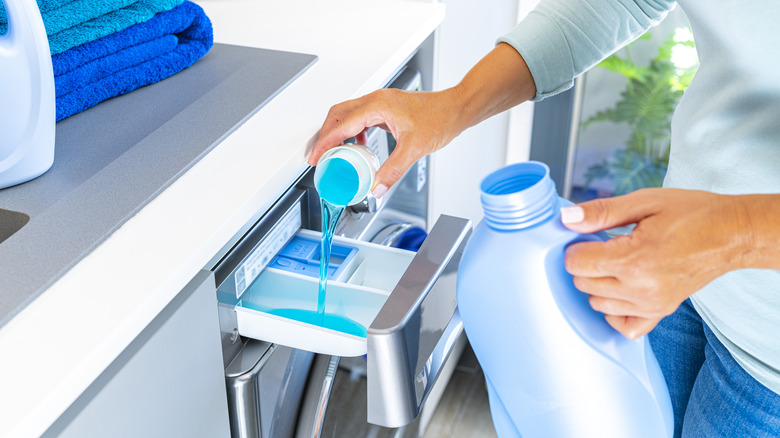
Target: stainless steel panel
column 415, row 330
column 243, row 399
column 317, row 397
column 265, row 384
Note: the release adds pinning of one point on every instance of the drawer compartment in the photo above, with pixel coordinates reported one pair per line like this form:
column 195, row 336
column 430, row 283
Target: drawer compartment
column 281, row 306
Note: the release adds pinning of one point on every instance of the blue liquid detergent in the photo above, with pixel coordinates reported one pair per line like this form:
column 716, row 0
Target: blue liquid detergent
column 329, row 321
column 330, row 217
column 338, row 185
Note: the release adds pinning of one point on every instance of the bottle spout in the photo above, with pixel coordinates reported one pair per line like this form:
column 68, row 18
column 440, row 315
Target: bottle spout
column 519, row 196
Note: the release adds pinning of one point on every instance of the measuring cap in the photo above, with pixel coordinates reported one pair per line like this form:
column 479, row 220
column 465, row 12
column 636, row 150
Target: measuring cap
column 345, row 174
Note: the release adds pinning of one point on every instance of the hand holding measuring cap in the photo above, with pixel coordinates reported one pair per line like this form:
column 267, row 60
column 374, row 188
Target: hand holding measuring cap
column 419, row 121
column 422, row 122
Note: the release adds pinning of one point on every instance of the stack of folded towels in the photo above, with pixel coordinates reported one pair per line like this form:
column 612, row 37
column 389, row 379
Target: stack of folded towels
column 104, row 48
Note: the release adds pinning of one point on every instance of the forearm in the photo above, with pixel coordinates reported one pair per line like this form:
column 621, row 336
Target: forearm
column 498, row 82
column 759, row 239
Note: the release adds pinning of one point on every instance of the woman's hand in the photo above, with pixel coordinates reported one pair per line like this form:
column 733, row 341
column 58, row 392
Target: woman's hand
column 683, row 240
column 424, row 122
column 421, row 122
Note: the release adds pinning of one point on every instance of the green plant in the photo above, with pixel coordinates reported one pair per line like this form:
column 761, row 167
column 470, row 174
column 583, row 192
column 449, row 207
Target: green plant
column 646, row 106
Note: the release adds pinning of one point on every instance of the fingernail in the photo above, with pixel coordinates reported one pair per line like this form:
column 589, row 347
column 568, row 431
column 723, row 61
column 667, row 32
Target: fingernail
column 572, row 215
column 379, row 190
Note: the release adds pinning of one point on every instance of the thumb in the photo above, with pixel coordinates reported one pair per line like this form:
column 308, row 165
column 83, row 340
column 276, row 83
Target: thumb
column 603, row 214
column 392, row 170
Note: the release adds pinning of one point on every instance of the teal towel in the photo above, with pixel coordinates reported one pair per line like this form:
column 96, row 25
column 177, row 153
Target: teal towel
column 71, row 23
column 131, row 58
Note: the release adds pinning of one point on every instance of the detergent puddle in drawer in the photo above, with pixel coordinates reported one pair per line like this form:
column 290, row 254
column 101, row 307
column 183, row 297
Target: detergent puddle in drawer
column 304, row 256
column 281, row 305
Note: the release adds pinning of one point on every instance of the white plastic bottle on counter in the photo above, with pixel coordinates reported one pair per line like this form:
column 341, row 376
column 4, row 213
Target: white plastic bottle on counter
column 27, row 108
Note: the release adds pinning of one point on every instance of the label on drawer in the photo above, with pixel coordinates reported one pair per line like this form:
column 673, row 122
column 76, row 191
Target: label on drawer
column 265, row 251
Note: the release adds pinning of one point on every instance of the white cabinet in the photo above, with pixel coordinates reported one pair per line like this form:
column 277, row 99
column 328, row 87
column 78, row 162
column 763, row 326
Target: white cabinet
column 168, row 382
column 468, row 33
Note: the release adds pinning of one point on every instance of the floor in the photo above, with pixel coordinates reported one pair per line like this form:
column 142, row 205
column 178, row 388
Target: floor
column 463, row 411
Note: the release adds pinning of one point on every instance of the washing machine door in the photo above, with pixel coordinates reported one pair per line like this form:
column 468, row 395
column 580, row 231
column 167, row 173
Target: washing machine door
column 400, row 234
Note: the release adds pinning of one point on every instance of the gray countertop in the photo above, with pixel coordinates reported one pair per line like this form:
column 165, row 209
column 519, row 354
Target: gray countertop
column 114, row 158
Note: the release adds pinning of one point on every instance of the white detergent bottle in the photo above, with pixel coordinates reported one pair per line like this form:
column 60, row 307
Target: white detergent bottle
column 27, row 99
column 553, row 366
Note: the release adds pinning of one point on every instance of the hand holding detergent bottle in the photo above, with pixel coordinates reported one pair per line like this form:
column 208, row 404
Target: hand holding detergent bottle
column 554, row 367
column 28, row 109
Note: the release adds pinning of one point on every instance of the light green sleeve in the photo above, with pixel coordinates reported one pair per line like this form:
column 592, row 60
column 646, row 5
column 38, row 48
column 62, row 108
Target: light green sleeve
column 561, row 39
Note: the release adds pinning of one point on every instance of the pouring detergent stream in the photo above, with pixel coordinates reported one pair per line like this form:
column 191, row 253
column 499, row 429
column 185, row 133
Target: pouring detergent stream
column 344, row 176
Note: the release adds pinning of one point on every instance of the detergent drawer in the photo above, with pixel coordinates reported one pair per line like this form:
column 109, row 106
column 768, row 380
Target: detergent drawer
column 395, row 306
column 379, row 290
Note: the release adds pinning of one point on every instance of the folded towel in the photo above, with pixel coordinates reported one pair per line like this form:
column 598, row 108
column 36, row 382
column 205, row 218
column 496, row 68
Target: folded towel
column 139, row 55
column 70, row 23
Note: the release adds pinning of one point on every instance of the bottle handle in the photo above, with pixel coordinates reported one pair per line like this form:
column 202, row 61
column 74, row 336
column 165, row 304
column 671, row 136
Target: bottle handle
column 590, row 324
column 16, row 13
column 574, row 304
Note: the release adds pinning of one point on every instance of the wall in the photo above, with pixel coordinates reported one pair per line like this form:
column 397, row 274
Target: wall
column 468, row 33
column 520, row 117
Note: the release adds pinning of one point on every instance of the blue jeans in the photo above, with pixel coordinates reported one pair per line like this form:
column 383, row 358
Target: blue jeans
column 712, row 396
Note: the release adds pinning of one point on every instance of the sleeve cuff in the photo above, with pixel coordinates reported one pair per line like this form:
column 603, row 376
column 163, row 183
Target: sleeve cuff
column 561, row 39
column 543, row 47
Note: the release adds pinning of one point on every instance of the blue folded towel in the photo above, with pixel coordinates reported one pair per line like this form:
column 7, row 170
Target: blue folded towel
column 139, row 55
column 70, row 23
